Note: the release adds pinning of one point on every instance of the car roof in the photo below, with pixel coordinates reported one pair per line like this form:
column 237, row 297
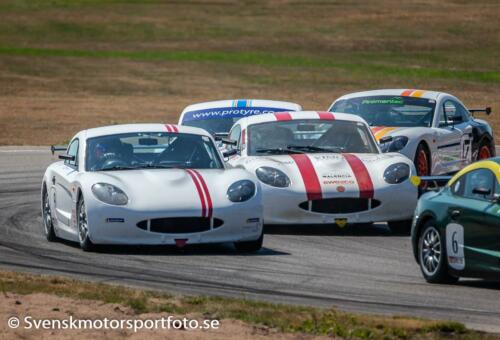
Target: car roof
column 240, row 103
column 492, row 164
column 128, row 128
column 270, row 117
column 395, row 92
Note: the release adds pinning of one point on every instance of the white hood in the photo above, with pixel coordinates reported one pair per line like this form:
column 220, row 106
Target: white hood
column 328, row 174
column 171, row 189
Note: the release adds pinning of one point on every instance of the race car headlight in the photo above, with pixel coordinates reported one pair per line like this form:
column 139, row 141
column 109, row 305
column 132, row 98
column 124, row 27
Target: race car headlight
column 397, row 173
column 273, row 177
column 109, row 194
column 395, row 145
column 241, row 191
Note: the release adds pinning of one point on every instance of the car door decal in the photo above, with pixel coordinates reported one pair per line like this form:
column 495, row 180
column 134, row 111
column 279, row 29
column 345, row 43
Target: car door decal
column 363, row 178
column 448, row 145
column 466, row 148
column 455, row 246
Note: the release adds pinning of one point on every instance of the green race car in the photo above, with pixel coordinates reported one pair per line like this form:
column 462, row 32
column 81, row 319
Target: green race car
column 456, row 230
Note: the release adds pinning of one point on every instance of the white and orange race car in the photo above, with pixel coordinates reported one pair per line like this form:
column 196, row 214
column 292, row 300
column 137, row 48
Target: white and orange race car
column 434, row 129
column 323, row 168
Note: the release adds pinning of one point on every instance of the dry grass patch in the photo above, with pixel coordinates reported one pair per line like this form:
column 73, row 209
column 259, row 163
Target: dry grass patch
column 283, row 318
column 66, row 65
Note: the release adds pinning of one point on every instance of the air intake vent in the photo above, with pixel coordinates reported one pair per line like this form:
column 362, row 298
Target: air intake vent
column 345, row 205
column 180, row 225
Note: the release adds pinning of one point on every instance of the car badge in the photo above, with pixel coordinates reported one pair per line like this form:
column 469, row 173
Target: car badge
column 341, row 222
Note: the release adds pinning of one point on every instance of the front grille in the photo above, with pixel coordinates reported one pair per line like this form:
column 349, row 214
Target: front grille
column 180, row 225
column 345, row 205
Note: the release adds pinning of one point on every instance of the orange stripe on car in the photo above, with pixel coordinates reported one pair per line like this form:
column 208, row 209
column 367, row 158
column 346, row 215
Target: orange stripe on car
column 406, row 93
column 383, row 132
column 376, row 129
column 417, row 93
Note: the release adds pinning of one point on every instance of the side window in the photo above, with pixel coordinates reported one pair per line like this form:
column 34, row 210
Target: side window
column 480, row 184
column 463, row 112
column 235, row 133
column 449, row 110
column 73, row 151
column 453, row 113
column 458, row 187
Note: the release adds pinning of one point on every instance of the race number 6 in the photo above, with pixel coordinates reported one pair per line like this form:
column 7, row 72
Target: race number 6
column 455, row 246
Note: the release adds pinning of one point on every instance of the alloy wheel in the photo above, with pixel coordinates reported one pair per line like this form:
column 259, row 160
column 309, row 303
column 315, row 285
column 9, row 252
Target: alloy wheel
column 422, row 164
column 47, row 213
column 83, row 229
column 484, row 152
column 430, row 251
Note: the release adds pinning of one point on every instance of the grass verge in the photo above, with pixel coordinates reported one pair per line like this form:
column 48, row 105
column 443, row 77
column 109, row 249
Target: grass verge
column 285, row 318
column 261, row 59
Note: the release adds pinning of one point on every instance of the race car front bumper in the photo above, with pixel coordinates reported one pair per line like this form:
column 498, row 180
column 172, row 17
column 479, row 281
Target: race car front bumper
column 124, row 225
column 389, row 203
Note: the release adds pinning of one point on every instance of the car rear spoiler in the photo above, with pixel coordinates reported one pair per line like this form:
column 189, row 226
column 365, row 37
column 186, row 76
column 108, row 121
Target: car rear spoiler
column 54, row 148
column 486, row 110
column 429, row 183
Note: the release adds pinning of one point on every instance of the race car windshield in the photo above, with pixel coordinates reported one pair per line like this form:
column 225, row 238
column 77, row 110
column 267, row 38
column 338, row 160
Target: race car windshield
column 389, row 110
column 311, row 136
column 151, row 150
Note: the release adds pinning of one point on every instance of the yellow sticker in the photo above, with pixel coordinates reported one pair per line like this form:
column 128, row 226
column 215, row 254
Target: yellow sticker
column 415, row 180
column 341, row 222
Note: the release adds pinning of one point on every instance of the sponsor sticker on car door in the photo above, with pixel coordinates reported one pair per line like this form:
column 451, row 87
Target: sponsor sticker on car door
column 455, row 246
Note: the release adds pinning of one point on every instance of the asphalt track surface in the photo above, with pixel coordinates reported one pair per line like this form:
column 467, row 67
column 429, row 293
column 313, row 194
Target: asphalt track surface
column 361, row 270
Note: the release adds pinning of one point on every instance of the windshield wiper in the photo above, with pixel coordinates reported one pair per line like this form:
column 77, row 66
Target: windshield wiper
column 277, row 151
column 316, row 148
column 117, row 167
column 153, row 166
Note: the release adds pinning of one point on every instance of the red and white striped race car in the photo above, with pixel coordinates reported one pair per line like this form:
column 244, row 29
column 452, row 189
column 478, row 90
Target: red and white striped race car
column 323, row 168
column 148, row 184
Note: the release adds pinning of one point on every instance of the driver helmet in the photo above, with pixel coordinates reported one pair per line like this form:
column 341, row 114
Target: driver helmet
column 99, row 150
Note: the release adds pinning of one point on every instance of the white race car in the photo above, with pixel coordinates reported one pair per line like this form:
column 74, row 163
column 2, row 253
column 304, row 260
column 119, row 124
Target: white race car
column 323, row 168
column 434, row 129
column 218, row 117
column 149, row 184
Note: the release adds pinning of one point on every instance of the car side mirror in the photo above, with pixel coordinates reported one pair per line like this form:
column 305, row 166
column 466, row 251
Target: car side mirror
column 229, row 153
column 481, row 191
column 228, row 141
column 67, row 157
column 496, row 198
column 457, row 119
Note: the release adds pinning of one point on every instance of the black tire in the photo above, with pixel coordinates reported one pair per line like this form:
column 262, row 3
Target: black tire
column 400, row 227
column 48, row 226
column 433, row 271
column 250, row 246
column 82, row 223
